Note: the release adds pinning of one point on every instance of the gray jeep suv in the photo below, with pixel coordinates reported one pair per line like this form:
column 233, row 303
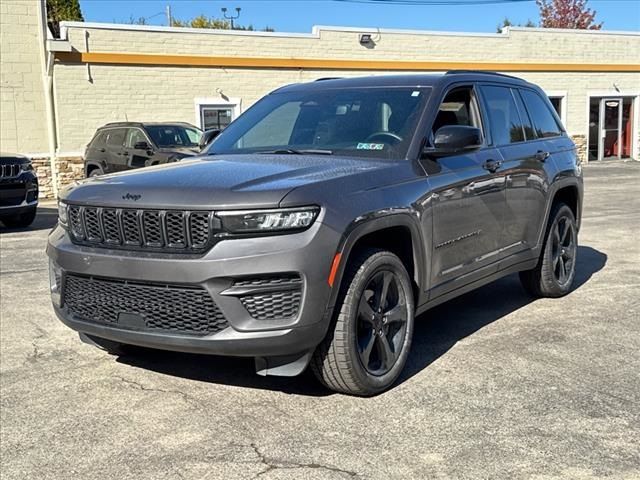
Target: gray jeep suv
column 322, row 221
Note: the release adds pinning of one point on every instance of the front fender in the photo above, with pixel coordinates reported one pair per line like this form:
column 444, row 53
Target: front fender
column 380, row 220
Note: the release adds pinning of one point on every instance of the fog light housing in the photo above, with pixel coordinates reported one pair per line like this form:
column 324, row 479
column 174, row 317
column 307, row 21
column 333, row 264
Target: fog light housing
column 55, row 283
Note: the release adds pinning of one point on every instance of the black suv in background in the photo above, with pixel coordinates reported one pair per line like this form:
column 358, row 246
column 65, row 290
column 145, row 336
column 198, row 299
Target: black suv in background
column 330, row 215
column 125, row 145
column 18, row 191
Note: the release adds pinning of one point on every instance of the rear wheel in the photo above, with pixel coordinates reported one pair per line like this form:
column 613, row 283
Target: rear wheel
column 21, row 220
column 556, row 269
column 368, row 343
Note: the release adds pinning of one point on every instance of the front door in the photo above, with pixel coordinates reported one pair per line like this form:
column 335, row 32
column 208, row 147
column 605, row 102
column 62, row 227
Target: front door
column 468, row 202
column 610, row 137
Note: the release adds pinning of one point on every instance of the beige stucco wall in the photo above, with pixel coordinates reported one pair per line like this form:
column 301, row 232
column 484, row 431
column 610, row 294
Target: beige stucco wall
column 22, row 107
column 133, row 92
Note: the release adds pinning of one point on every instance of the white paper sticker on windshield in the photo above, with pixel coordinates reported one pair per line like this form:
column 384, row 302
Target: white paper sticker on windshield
column 415, row 93
column 370, row 146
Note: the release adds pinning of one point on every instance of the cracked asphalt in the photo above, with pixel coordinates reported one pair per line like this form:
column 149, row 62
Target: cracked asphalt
column 497, row 386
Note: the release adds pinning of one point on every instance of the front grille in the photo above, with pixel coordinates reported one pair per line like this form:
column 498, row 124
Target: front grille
column 174, row 231
column 10, row 170
column 168, row 308
column 272, row 305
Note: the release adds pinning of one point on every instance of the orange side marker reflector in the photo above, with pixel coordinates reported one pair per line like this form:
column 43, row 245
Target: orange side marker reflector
column 334, row 268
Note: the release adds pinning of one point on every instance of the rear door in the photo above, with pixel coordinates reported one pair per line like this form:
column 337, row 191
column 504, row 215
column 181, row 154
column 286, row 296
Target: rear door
column 468, row 200
column 117, row 160
column 97, row 150
column 524, row 155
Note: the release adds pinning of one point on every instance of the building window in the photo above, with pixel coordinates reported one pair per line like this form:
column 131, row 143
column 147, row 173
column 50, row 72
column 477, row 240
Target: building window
column 557, row 104
column 216, row 112
column 559, row 101
column 215, row 117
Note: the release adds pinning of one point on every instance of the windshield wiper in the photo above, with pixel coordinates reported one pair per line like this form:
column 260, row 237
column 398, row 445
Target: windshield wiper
column 291, row 151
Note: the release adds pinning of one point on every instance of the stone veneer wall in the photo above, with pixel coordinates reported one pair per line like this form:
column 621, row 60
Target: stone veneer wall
column 581, row 145
column 69, row 170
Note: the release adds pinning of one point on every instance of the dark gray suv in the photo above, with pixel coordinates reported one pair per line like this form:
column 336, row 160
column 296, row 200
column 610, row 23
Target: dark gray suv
column 322, row 221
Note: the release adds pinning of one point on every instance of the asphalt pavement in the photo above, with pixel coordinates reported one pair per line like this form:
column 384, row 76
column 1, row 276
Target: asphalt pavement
column 498, row 385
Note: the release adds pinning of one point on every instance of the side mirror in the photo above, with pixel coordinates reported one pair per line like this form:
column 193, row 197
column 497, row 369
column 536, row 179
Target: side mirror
column 208, row 136
column 452, row 139
column 142, row 146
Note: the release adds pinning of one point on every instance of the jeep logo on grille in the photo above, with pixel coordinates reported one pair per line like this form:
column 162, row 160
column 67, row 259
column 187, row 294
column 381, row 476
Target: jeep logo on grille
column 133, row 197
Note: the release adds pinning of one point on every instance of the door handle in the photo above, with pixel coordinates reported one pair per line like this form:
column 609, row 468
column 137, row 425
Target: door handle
column 542, row 156
column 102, row 150
column 492, row 165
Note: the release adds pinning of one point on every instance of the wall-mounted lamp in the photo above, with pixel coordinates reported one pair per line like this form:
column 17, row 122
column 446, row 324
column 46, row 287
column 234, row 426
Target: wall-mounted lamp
column 366, row 39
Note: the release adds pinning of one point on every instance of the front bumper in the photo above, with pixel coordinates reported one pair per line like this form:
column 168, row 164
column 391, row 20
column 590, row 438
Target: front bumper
column 19, row 194
column 308, row 254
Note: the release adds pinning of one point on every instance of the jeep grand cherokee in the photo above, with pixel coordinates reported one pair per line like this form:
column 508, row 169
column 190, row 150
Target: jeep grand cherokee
column 322, row 221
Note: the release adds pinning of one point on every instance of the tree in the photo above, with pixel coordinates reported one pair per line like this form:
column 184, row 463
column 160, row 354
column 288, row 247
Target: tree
column 59, row 10
column 202, row 21
column 508, row 23
column 567, row 14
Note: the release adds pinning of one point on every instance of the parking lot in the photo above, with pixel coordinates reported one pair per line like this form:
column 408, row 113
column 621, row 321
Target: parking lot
column 497, row 385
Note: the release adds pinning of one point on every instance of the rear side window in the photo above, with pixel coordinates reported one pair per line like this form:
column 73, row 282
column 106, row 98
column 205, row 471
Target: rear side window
column 504, row 118
column 543, row 119
column 115, row 137
column 99, row 139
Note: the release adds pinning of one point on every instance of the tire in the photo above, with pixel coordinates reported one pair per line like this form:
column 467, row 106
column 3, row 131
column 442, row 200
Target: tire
column 556, row 269
column 96, row 172
column 21, row 220
column 351, row 358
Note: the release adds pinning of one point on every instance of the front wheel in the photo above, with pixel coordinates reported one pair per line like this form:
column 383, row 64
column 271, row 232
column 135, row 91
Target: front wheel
column 556, row 269
column 368, row 342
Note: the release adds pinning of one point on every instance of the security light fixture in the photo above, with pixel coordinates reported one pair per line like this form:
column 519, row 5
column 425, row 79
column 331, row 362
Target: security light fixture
column 365, row 38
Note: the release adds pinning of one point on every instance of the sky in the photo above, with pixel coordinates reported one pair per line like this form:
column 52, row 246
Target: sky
column 302, row 15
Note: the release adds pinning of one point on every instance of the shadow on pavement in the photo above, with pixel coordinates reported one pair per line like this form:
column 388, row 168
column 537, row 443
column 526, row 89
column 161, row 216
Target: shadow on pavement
column 437, row 330
column 46, row 219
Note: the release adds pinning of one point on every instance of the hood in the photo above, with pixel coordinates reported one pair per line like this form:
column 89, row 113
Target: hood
column 233, row 181
column 13, row 158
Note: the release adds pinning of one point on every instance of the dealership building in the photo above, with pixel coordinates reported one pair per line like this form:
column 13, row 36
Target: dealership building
column 55, row 92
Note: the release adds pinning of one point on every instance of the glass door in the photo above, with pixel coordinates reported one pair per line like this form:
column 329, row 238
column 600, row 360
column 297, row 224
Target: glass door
column 610, row 144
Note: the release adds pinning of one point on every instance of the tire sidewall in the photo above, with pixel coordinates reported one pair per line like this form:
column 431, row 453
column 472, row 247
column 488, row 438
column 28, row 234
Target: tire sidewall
column 372, row 266
column 548, row 277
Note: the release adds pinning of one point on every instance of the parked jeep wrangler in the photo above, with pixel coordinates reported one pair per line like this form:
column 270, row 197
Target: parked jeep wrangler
column 322, row 222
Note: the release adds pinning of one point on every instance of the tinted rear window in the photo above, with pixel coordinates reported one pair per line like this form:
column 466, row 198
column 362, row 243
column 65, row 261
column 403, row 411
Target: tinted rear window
column 543, row 119
column 504, row 118
column 115, row 137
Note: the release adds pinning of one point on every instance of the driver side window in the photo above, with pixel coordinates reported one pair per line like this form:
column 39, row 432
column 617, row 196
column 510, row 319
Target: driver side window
column 459, row 107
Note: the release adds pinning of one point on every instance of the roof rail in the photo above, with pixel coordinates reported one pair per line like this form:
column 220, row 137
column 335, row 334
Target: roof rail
column 327, row 78
column 482, row 72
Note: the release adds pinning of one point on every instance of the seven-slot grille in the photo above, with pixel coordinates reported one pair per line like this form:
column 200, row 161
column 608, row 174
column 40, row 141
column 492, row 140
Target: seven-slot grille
column 137, row 229
column 172, row 308
column 10, row 170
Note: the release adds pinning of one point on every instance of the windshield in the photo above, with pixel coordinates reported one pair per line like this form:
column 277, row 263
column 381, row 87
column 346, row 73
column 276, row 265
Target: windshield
column 372, row 122
column 174, row 136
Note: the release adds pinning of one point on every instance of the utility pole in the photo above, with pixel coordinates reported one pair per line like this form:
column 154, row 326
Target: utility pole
column 169, row 22
column 231, row 17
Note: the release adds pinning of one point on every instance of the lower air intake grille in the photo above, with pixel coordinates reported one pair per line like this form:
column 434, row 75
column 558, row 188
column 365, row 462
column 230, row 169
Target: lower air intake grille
column 168, row 308
column 272, row 305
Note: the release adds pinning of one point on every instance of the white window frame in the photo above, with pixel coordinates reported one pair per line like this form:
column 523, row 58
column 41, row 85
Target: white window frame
column 216, row 102
column 562, row 95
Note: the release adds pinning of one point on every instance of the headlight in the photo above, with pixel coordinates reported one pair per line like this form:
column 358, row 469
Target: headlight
column 26, row 167
column 62, row 214
column 256, row 221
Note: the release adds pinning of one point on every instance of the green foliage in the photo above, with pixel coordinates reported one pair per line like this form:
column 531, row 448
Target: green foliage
column 202, row 21
column 508, row 23
column 59, row 10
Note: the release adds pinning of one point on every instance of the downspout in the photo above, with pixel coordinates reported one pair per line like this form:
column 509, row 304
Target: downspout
column 46, row 61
